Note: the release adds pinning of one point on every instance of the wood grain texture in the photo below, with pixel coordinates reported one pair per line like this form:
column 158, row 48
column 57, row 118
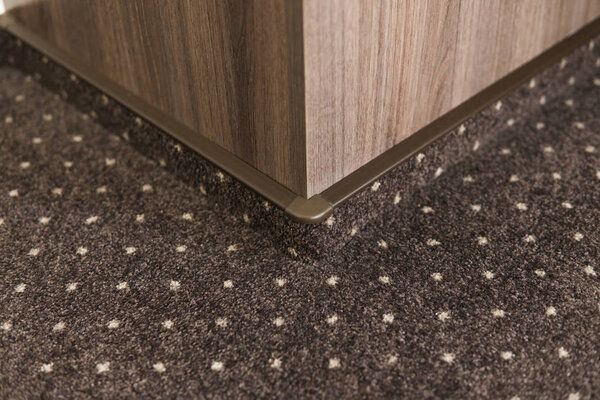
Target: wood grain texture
column 376, row 72
column 306, row 91
column 231, row 70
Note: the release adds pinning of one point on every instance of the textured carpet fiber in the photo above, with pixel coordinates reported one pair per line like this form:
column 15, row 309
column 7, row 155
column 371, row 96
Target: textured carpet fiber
column 120, row 281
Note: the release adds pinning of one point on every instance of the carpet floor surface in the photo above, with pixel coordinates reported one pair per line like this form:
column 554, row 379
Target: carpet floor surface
column 121, row 281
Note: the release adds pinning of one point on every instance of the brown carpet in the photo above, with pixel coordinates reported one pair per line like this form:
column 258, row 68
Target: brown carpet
column 132, row 269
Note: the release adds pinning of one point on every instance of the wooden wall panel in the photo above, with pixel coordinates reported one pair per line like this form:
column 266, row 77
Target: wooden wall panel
column 231, row 70
column 376, row 72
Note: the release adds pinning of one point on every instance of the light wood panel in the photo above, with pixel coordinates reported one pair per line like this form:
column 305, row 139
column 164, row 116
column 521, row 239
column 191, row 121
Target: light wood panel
column 378, row 71
column 305, row 91
column 231, row 70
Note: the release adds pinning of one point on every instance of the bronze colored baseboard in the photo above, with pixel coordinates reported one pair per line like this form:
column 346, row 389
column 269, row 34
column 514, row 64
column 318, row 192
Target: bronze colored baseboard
column 318, row 207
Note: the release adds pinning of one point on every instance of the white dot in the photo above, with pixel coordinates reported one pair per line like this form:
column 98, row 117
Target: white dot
column 550, row 311
column 498, row 106
column 221, row 176
column 8, row 120
column 462, row 129
column 540, row 272
column 579, row 125
column 563, row 353
column 548, row 149
column 420, row 157
column 330, row 221
column 82, row 251
column 596, row 81
column 433, row 242
column 543, row 100
column 101, row 189
column 382, row 243
column 569, row 102
column 103, row 367
column 77, row 138
column 147, row 188
column 91, row 220
column 332, row 280
column 482, row 241
column 6, row 326
column 34, row 252
column 187, row 216
column 168, row 324
column 57, row 191
column 521, row 206
column 513, row 178
column 427, row 210
column 246, row 218
column 232, row 247
column 280, row 282
column 578, row 236
column 292, row 252
column 130, row 250
column 589, row 270
column 47, row 367
column 222, row 322
column 567, row 205
column 276, row 363
column 532, row 83
column 392, row 360
column 574, row 396
column 278, row 321
column 384, row 279
column 540, row 125
column 13, row 193
column 488, row 274
column 25, row 165
column 529, row 239
column 436, row 276
column 507, row 355
column 59, row 327
column 498, row 313
column 476, row 145
column 217, row 366
column 438, row 172
column 181, row 249
column 20, row 288
column 334, row 363
column 476, row 207
column 397, row 198
column 505, row 151
column 44, row 220
column 72, row 286
column 109, row 162
column 388, row 318
column 122, row 286
column 571, row 81
column 353, row 231
column 448, row 357
column 19, row 98
column 228, row 284
column 174, row 285
column 443, row 316
column 159, row 367
column 332, row 319
column 113, row 324
column 375, row 186
column 510, row 122
column 590, row 149
column 468, row 179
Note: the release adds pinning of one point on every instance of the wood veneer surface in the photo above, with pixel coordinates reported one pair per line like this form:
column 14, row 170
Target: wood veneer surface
column 376, row 72
column 231, row 70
